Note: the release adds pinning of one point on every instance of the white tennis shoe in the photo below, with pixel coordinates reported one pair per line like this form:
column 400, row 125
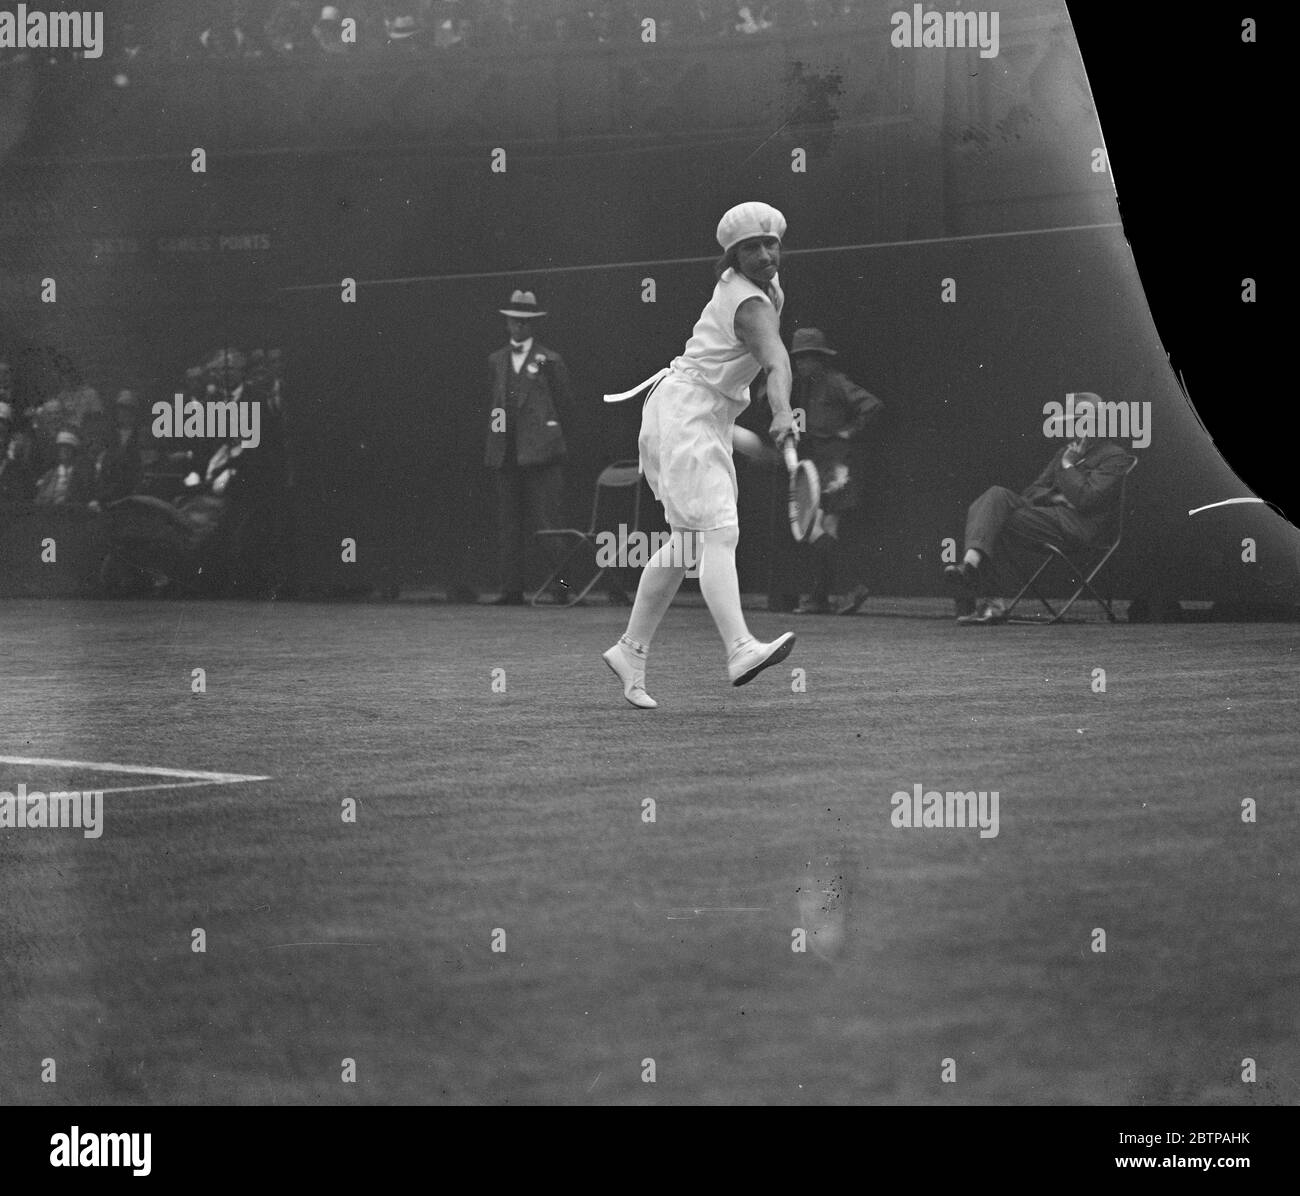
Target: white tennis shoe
column 752, row 658
column 631, row 672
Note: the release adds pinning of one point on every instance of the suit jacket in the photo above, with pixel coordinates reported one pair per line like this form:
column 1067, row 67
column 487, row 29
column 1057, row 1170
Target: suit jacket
column 81, row 486
column 1091, row 485
column 834, row 404
column 543, row 405
column 119, row 471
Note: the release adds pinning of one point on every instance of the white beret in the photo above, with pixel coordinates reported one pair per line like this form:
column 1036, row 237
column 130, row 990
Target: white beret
column 747, row 220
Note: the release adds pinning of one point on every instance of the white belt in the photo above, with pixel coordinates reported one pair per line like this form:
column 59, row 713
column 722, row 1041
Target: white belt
column 654, row 380
column 651, row 382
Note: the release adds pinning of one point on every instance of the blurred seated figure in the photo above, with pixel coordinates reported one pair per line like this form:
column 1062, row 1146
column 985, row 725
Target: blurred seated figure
column 752, row 18
column 70, row 482
column 448, row 22
column 328, row 31
column 223, row 37
column 66, row 410
column 404, row 31
column 289, row 28
column 16, row 481
column 119, row 463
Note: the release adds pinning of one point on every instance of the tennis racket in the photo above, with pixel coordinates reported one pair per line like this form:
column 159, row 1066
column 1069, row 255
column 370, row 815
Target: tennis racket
column 805, row 493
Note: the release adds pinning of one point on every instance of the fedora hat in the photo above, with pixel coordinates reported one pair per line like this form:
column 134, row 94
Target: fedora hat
column 810, row 340
column 523, row 306
column 401, row 27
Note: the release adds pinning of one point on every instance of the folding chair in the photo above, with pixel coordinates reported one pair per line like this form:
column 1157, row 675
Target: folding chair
column 621, row 475
column 1099, row 554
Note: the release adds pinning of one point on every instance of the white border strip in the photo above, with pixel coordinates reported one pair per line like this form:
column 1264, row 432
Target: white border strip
column 1227, row 502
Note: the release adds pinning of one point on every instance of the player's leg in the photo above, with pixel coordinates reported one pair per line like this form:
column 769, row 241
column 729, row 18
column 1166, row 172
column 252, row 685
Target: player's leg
column 660, row 581
column 720, row 585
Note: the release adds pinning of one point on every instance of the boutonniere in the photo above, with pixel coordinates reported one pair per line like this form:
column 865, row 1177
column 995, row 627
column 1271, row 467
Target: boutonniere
column 531, row 367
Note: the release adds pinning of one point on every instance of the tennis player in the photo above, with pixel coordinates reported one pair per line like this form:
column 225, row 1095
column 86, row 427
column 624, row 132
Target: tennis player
column 687, row 428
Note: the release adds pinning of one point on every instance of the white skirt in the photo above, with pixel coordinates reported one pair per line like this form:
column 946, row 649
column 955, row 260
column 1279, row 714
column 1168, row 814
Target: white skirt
column 685, row 447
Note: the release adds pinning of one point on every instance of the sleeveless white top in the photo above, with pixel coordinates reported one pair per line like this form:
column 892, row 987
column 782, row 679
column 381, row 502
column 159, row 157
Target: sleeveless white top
column 714, row 355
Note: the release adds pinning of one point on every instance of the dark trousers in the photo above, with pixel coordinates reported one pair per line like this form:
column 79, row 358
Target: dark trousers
column 528, row 498
column 1001, row 520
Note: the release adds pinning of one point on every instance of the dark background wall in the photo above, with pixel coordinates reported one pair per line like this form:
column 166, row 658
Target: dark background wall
column 917, row 163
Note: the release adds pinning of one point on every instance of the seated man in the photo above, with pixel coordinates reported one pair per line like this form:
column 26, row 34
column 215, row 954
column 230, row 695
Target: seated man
column 69, row 483
column 1070, row 502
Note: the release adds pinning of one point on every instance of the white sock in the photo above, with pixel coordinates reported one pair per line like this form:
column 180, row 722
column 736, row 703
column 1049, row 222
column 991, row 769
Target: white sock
column 721, row 587
column 660, row 581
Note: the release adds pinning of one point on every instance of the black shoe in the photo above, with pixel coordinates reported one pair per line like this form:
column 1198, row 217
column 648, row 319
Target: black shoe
column 509, row 598
column 992, row 611
column 557, row 595
column 814, row 605
column 853, row 602
column 962, row 577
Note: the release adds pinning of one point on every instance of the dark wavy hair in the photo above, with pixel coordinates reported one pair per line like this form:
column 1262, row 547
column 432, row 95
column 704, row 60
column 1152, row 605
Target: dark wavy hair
column 728, row 261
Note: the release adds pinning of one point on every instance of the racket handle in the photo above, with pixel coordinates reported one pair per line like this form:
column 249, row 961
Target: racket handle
column 791, row 456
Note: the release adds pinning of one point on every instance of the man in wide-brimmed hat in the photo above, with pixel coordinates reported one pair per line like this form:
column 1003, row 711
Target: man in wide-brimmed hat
column 529, row 403
column 69, row 482
column 836, row 411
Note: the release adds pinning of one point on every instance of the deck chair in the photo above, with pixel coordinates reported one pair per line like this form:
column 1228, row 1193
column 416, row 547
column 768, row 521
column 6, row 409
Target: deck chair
column 1084, row 563
column 620, row 476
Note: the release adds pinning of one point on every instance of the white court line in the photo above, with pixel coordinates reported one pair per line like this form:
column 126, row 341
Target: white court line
column 686, row 261
column 173, row 785
column 219, row 778
column 193, row 780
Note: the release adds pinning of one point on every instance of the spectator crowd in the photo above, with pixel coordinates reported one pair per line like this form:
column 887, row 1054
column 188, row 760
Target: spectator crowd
column 73, row 450
column 144, row 29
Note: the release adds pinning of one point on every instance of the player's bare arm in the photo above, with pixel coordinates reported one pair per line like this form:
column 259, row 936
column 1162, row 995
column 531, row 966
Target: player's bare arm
column 757, row 328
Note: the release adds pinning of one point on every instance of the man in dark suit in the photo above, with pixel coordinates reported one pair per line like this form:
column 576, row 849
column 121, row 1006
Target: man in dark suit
column 529, row 403
column 837, row 412
column 1070, row 503
column 119, row 464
